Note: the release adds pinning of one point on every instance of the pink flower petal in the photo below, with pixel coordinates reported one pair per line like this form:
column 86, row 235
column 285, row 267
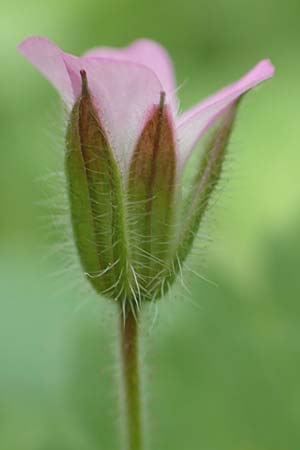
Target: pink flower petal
column 194, row 122
column 123, row 92
column 48, row 59
column 149, row 54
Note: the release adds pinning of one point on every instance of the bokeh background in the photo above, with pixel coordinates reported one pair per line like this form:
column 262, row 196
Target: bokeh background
column 223, row 362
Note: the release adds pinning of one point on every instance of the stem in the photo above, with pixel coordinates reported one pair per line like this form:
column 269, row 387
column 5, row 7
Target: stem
column 131, row 380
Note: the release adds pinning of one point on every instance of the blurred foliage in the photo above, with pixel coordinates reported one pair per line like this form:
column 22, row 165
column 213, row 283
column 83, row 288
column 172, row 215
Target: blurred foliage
column 223, row 368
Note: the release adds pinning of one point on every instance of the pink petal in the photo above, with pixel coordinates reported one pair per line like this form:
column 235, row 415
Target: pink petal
column 149, row 54
column 123, row 92
column 194, row 122
column 48, row 59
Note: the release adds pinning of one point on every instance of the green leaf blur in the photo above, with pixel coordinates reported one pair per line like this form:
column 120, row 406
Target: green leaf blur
column 223, row 361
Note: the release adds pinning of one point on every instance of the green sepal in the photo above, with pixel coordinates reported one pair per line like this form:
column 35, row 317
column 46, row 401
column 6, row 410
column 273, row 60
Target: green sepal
column 151, row 189
column 96, row 198
column 203, row 186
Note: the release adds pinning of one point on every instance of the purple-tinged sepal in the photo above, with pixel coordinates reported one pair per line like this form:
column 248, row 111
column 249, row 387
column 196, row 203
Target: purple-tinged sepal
column 95, row 194
column 151, row 197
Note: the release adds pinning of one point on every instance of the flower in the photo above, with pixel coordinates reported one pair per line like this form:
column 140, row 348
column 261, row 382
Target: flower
column 126, row 150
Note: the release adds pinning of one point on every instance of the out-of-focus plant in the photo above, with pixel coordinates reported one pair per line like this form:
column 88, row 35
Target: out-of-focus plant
column 126, row 151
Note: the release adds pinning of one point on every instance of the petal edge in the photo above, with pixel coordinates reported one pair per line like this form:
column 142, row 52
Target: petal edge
column 194, row 122
column 48, row 59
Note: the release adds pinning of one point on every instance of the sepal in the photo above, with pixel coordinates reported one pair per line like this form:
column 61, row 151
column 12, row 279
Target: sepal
column 95, row 193
column 151, row 196
column 203, row 187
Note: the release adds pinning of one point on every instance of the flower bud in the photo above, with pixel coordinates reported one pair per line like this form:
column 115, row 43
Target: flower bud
column 124, row 239
column 126, row 236
column 125, row 157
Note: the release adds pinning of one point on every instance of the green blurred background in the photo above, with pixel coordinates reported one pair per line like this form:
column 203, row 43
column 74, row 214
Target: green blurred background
column 223, row 363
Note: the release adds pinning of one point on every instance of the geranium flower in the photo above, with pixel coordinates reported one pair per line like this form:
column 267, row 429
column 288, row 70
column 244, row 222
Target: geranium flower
column 127, row 146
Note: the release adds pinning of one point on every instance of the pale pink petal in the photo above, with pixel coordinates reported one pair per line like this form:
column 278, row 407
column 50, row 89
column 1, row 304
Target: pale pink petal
column 193, row 123
column 48, row 59
column 150, row 54
column 123, row 93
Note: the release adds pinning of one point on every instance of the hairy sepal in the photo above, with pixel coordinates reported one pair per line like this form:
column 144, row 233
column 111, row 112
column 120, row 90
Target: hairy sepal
column 203, row 186
column 96, row 199
column 151, row 193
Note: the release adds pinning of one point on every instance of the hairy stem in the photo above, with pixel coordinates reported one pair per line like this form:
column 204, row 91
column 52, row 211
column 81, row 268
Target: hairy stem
column 131, row 380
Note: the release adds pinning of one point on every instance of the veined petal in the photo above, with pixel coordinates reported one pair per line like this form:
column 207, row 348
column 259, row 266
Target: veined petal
column 149, row 54
column 123, row 91
column 194, row 122
column 123, row 94
column 48, row 59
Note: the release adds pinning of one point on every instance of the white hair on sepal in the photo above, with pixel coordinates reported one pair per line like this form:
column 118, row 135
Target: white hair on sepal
column 196, row 264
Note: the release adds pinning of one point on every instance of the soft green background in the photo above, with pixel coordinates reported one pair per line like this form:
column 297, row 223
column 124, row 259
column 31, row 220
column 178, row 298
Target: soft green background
column 223, row 363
